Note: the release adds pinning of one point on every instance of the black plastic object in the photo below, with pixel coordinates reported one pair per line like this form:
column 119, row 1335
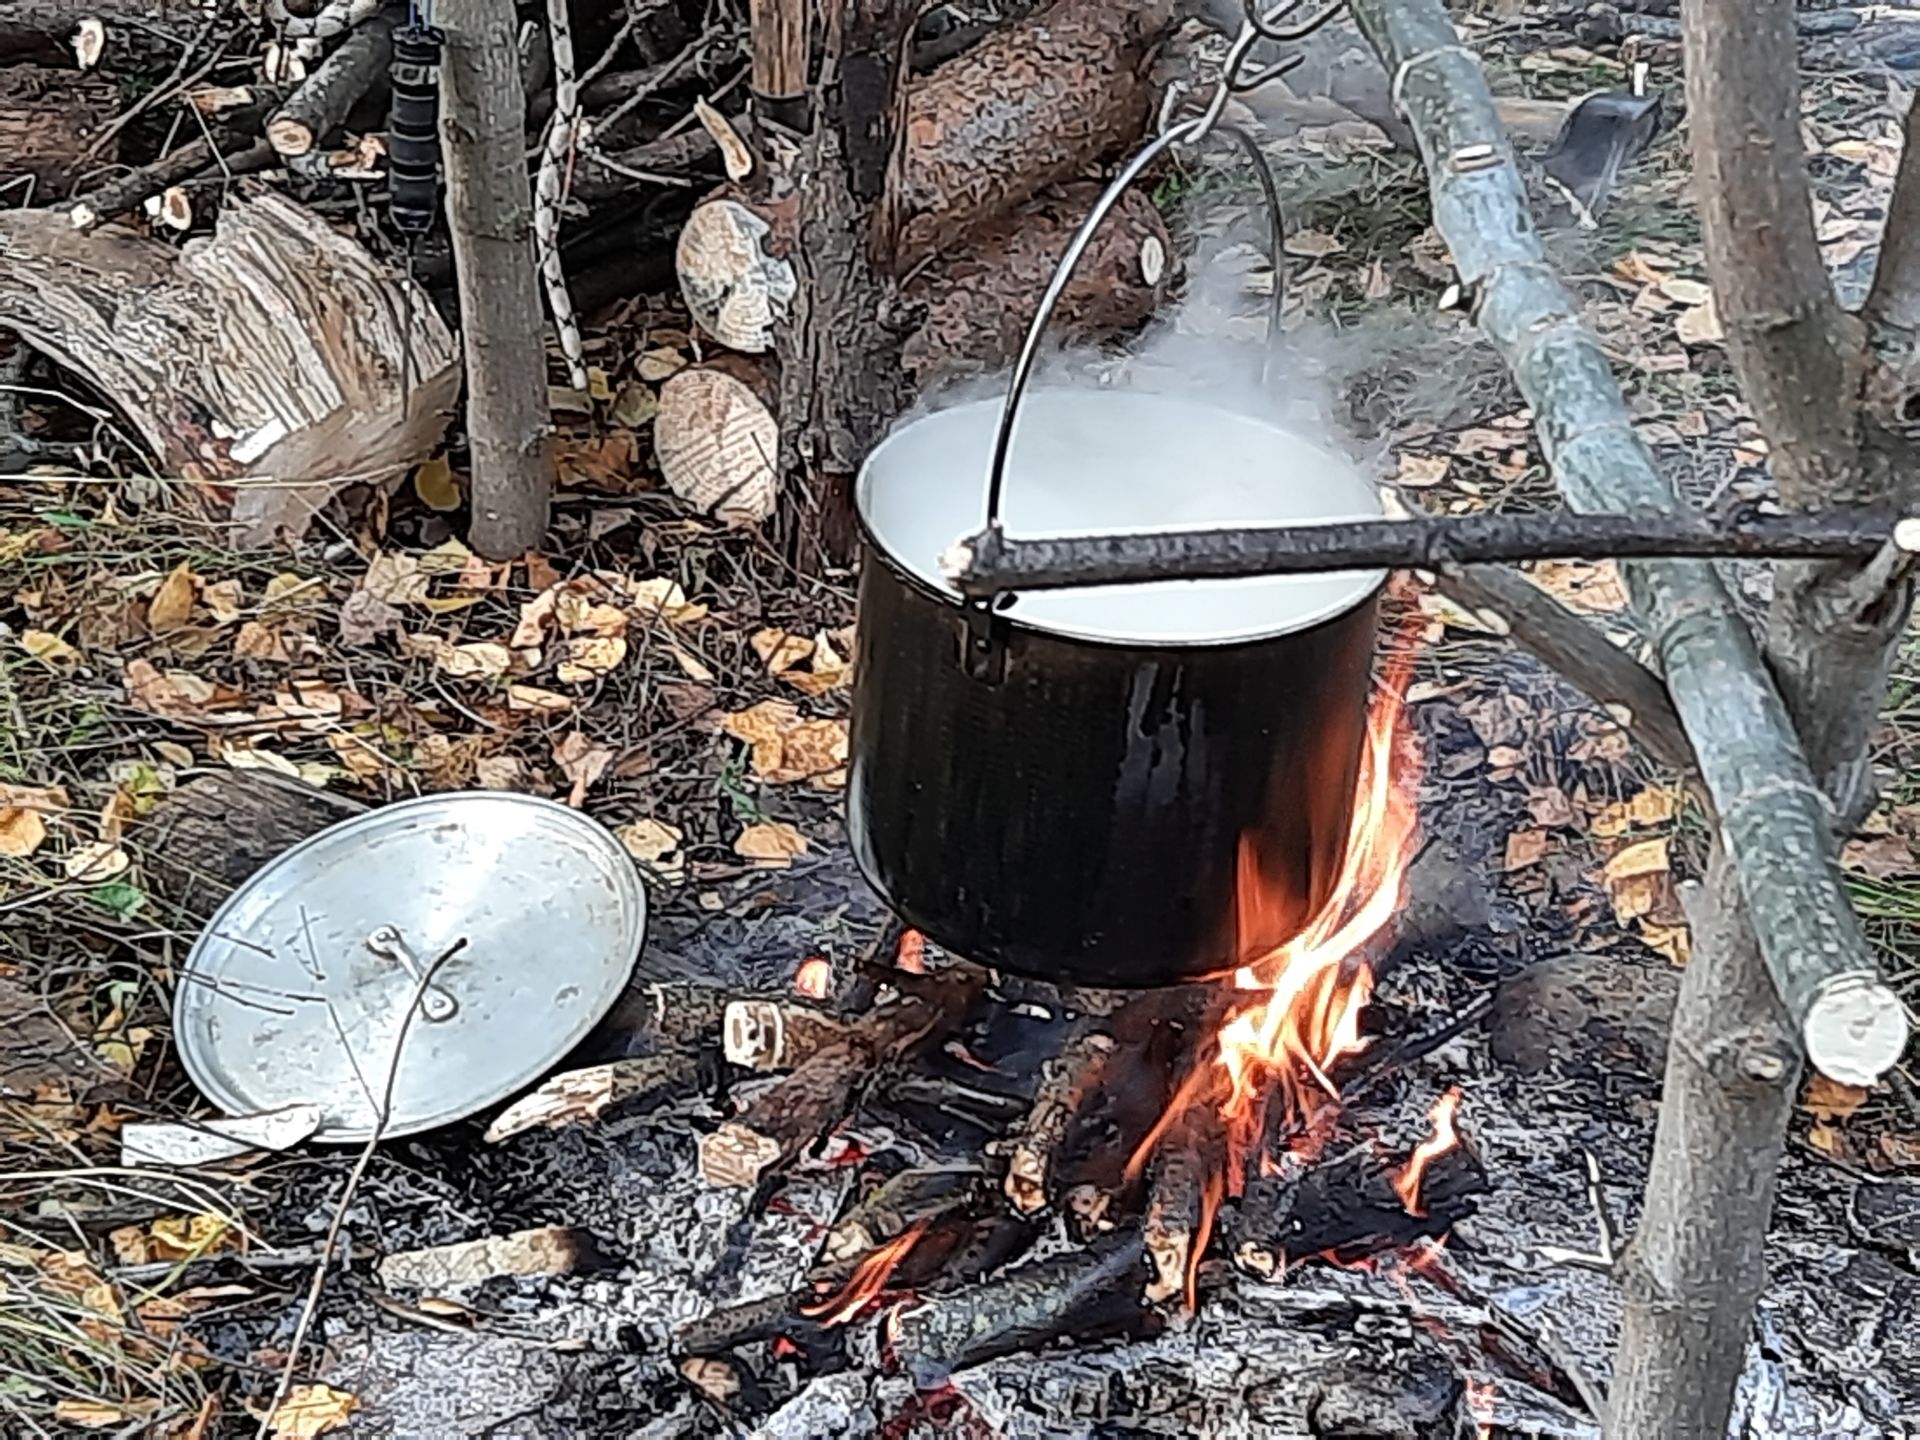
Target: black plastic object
column 413, row 129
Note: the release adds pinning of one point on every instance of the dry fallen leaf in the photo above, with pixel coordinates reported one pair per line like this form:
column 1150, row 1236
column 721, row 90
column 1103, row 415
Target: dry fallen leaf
column 310, row 1411
column 590, row 657
column 102, row 1414
column 1700, row 325
column 1830, row 1100
column 1593, row 589
column 778, row 650
column 663, row 597
column 22, row 828
column 1652, row 806
column 1880, row 856
column 789, row 747
column 172, row 603
column 433, row 482
column 656, row 844
column 1645, row 857
column 1682, row 291
column 828, row 669
column 482, row 660
column 1550, row 807
column 48, row 648
column 772, row 843
column 1313, row 244
column 364, row 618
column 1525, row 847
column 582, row 762
column 96, row 863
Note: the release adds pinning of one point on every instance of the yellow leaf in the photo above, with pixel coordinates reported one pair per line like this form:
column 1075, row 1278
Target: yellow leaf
column 664, row 597
column 779, row 651
column 1593, row 589
column 172, row 603
column 47, row 647
column 656, row 844
column 773, row 843
column 828, row 671
column 183, row 1237
column 1830, row 1100
column 1672, row 941
column 1647, row 857
column 588, row 657
column 310, row 1411
column 433, row 482
column 96, row 863
column 22, row 831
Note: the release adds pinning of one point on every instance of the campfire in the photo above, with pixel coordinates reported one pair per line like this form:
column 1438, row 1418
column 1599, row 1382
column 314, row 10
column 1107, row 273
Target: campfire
column 1037, row 1164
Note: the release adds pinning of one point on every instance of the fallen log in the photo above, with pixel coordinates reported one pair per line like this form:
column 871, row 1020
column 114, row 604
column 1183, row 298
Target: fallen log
column 981, row 296
column 261, row 363
column 1035, row 103
column 1773, row 818
column 357, row 66
column 48, row 121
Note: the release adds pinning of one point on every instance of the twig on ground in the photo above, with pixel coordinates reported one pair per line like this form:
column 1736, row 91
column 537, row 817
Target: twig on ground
column 383, row 1107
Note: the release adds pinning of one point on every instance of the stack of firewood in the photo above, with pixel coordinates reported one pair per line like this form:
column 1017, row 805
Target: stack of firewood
column 998, row 158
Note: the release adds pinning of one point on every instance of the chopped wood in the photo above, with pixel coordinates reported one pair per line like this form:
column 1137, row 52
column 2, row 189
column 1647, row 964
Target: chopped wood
column 736, row 286
column 777, row 1034
column 238, row 107
column 717, row 441
column 575, row 1096
column 129, row 192
column 981, row 295
column 48, row 121
column 547, row 1250
column 1087, row 1293
column 1065, row 1083
column 44, row 31
column 321, row 105
column 1035, row 103
column 779, row 29
column 261, row 362
column 811, row 1101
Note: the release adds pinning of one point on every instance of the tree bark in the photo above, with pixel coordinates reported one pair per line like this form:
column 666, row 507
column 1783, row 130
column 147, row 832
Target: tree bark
column 490, row 215
column 321, row 105
column 839, row 350
column 1832, row 396
column 47, row 120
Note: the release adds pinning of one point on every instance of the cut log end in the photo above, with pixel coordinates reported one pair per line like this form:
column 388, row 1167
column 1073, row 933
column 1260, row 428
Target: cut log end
column 290, row 136
column 735, row 290
column 1855, row 1029
column 736, row 1157
column 775, row 1035
column 717, row 443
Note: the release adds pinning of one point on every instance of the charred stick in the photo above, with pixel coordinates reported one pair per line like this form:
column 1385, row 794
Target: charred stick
column 1066, row 1082
column 1348, row 1207
column 912, row 1196
column 322, row 103
column 991, row 562
column 777, row 1034
column 1183, row 1193
column 751, row 1321
column 813, row 1099
column 1091, row 1292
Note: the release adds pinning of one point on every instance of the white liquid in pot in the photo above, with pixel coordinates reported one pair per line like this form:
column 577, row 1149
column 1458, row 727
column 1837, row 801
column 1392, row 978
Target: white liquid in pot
column 1112, row 462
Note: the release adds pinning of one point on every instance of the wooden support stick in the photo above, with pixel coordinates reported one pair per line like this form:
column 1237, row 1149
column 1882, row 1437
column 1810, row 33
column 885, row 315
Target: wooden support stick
column 780, row 40
column 991, row 561
column 1772, row 815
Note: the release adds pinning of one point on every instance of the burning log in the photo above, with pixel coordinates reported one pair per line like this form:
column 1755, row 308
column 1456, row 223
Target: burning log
column 913, row 1197
column 1185, row 1183
column 1067, row 1081
column 1772, row 816
column 1094, row 1292
column 1035, row 103
column 812, row 1099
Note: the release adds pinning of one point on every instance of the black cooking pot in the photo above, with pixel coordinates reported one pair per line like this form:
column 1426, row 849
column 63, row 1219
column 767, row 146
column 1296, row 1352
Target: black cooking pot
column 1120, row 785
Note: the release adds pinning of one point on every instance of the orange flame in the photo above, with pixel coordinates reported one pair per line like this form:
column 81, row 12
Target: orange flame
column 869, row 1279
column 1443, row 1139
column 814, row 978
column 911, row 955
column 1202, row 1233
column 1282, row 1043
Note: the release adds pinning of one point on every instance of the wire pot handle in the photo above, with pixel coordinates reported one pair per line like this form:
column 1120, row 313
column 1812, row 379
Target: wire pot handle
column 1194, row 131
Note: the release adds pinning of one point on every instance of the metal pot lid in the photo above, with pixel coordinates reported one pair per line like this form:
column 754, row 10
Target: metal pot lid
column 296, row 990
column 1102, row 462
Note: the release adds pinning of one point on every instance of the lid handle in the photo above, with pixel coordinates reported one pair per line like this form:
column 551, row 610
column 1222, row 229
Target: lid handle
column 436, row 1003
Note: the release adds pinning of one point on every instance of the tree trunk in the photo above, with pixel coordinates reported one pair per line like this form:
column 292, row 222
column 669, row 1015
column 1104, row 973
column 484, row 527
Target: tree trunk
column 841, row 378
column 490, row 214
column 1697, row 1264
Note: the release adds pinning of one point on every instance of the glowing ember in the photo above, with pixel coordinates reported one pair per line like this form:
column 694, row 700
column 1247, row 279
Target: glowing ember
column 1443, row 1139
column 814, row 977
column 869, row 1279
column 911, row 955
